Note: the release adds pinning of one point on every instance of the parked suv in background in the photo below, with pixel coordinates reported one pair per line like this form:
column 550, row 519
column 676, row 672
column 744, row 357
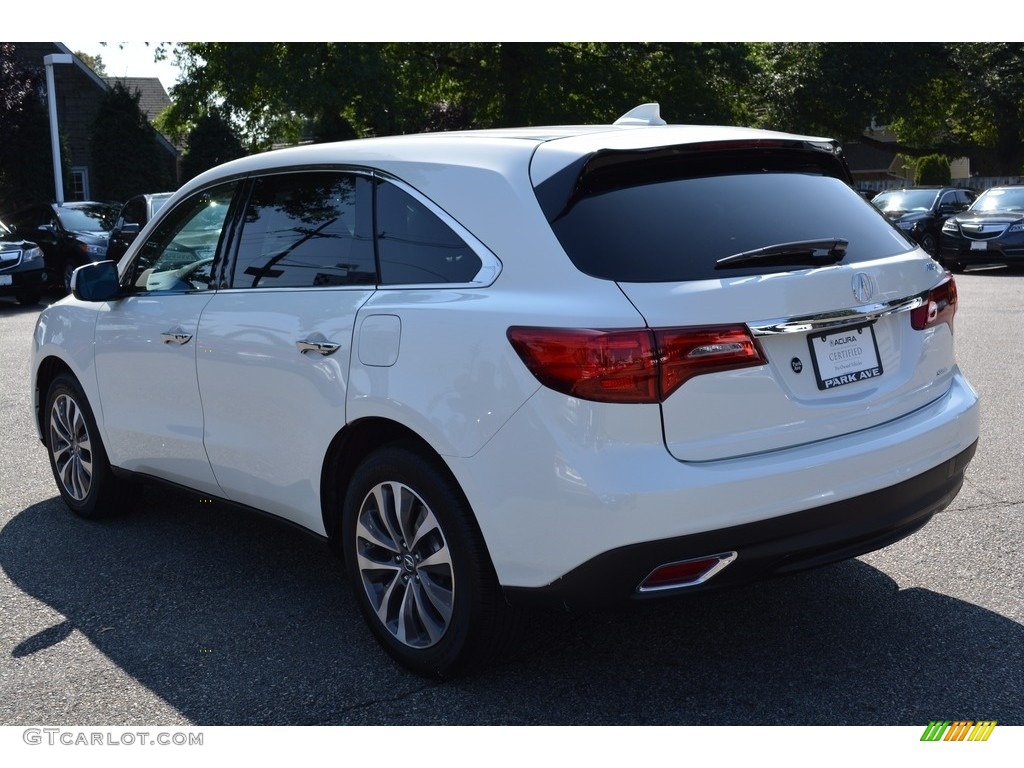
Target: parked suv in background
column 921, row 211
column 569, row 364
column 22, row 271
column 990, row 232
column 70, row 234
column 134, row 215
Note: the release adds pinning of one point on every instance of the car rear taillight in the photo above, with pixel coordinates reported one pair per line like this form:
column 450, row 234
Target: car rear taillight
column 940, row 306
column 631, row 366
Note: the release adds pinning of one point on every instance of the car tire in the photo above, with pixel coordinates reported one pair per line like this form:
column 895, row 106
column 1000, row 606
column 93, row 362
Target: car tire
column 77, row 457
column 952, row 265
column 930, row 244
column 419, row 568
column 66, row 271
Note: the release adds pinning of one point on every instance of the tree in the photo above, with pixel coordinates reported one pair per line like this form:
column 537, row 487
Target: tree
column 25, row 156
column 932, row 170
column 95, row 63
column 977, row 109
column 955, row 99
column 284, row 92
column 126, row 155
column 210, row 143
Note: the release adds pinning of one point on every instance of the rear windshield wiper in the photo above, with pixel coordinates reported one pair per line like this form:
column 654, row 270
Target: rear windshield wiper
column 799, row 253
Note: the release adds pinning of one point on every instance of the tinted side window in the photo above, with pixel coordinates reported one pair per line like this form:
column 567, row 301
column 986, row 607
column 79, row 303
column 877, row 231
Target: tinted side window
column 299, row 231
column 415, row 246
column 179, row 255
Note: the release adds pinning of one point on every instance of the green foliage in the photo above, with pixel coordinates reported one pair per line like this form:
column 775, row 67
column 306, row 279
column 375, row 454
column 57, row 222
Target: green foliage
column 932, row 170
column 126, row 156
column 95, row 63
column 954, row 99
column 26, row 164
column 210, row 143
column 839, row 89
column 287, row 92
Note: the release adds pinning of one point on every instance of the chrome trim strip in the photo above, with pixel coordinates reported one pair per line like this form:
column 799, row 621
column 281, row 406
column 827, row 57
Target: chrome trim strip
column 853, row 315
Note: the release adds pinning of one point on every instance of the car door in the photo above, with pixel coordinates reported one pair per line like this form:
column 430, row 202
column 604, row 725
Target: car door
column 274, row 346
column 146, row 345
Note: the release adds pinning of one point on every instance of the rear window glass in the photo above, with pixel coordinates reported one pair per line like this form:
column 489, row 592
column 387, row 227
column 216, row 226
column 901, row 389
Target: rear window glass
column 677, row 229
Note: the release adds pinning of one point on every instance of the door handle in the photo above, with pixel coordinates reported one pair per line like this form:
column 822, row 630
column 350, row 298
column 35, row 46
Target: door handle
column 318, row 344
column 176, row 335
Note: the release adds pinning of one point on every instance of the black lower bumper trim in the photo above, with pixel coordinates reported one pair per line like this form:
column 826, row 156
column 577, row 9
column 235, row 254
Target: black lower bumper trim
column 767, row 548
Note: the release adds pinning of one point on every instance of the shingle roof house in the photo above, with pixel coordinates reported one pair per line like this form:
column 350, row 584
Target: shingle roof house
column 153, row 99
column 79, row 91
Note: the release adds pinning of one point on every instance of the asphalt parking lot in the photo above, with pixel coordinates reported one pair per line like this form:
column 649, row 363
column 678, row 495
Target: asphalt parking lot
column 188, row 613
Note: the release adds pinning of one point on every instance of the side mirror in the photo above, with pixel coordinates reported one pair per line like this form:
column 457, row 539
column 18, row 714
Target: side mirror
column 96, row 282
column 130, row 229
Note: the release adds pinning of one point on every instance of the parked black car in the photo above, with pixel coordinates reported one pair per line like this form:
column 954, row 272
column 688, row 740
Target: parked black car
column 134, row 215
column 22, row 268
column 991, row 231
column 921, row 211
column 70, row 234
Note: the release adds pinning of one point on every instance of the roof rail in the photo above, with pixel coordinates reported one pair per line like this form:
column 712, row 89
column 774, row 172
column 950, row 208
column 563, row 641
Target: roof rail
column 645, row 114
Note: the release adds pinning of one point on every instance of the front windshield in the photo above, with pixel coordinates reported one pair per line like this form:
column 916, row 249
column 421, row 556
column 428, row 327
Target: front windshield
column 905, row 200
column 88, row 218
column 996, row 199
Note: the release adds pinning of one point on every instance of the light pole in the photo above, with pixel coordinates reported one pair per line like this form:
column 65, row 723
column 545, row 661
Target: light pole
column 51, row 98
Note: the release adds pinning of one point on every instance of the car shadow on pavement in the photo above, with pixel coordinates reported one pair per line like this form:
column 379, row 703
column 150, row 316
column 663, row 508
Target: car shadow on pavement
column 236, row 619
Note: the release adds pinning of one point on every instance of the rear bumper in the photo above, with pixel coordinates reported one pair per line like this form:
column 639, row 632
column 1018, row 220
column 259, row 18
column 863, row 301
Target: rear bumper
column 567, row 483
column 766, row 548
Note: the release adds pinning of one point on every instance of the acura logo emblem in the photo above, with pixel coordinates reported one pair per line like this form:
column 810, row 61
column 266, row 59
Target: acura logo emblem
column 863, row 287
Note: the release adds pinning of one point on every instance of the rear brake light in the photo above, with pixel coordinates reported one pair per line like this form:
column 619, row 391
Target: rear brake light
column 940, row 306
column 631, row 366
column 689, row 352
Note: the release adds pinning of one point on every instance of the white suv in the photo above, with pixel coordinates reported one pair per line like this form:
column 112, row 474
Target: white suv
column 566, row 364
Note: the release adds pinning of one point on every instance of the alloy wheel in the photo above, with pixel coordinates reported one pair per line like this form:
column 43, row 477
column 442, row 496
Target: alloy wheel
column 71, row 447
column 405, row 565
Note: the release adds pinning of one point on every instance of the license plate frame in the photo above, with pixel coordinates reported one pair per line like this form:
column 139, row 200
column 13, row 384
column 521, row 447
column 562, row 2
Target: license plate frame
column 845, row 356
column 979, row 245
